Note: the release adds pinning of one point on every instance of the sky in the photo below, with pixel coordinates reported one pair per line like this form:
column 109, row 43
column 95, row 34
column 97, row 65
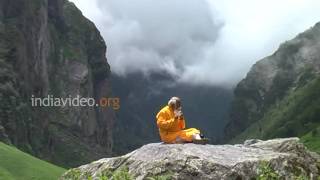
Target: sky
column 201, row 42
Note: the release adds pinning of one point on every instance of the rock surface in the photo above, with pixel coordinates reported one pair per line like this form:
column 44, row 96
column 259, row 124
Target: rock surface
column 287, row 157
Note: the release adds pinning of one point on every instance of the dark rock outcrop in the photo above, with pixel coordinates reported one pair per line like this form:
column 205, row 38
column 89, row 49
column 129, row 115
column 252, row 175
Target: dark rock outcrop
column 286, row 158
column 47, row 47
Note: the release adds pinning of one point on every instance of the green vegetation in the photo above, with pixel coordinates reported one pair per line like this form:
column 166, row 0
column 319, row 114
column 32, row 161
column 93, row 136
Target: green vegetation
column 122, row 174
column 17, row 165
column 75, row 155
column 73, row 174
column 312, row 140
column 119, row 174
column 266, row 172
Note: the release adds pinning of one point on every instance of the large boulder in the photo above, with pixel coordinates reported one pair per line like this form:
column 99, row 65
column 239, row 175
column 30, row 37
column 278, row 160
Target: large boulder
column 281, row 158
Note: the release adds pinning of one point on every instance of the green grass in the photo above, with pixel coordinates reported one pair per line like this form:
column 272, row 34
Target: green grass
column 17, row 165
column 312, row 140
column 266, row 172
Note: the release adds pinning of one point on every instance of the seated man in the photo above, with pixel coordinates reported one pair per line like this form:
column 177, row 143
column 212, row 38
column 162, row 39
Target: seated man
column 171, row 125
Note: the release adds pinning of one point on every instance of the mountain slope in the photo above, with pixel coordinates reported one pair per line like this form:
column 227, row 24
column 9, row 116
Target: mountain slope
column 50, row 48
column 297, row 114
column 280, row 97
column 17, row 165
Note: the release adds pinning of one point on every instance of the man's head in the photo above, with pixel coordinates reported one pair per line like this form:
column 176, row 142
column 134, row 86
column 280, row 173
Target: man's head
column 175, row 103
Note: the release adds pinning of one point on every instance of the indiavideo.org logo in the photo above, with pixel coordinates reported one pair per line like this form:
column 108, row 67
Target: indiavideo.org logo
column 51, row 101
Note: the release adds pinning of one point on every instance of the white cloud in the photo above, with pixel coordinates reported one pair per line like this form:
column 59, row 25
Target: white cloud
column 204, row 42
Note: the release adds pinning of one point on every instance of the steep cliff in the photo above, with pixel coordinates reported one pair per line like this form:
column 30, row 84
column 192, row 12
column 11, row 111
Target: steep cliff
column 47, row 47
column 272, row 159
column 280, row 97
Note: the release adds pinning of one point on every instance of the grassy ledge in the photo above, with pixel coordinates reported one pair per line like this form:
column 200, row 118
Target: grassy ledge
column 17, row 165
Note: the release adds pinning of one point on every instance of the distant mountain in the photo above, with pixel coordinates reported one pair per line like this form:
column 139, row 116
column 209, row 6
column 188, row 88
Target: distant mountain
column 280, row 97
column 50, row 48
column 205, row 107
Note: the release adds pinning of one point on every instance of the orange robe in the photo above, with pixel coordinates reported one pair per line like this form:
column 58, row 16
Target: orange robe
column 170, row 128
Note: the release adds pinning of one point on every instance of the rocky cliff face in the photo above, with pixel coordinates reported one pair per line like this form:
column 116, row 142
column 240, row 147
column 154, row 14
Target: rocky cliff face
column 272, row 159
column 280, row 95
column 48, row 48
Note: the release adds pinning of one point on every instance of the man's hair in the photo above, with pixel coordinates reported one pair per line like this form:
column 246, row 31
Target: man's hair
column 174, row 101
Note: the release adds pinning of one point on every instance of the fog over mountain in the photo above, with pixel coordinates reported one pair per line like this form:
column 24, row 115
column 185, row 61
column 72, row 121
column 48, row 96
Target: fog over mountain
column 209, row 42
